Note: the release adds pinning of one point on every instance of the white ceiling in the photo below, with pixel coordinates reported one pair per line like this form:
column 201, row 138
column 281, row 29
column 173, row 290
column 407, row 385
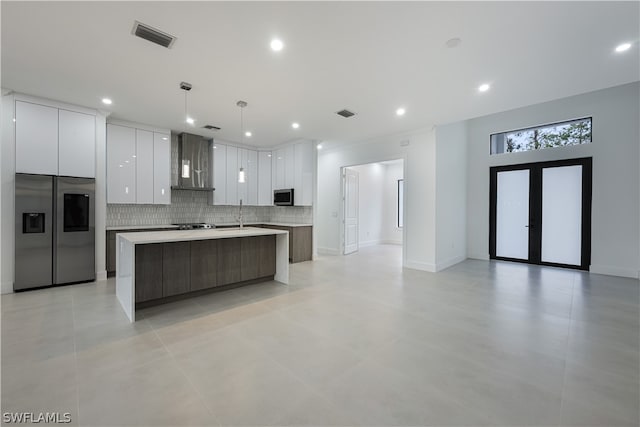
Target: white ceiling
column 368, row 57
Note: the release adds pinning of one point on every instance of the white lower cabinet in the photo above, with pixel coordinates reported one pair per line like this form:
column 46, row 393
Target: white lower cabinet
column 144, row 167
column 161, row 169
column 121, row 170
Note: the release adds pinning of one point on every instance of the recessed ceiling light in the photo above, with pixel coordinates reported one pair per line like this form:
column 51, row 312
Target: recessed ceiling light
column 276, row 45
column 400, row 112
column 319, row 146
column 454, row 42
column 623, row 47
column 248, row 133
column 484, row 87
column 107, row 101
column 164, row 138
column 295, row 125
column 190, row 120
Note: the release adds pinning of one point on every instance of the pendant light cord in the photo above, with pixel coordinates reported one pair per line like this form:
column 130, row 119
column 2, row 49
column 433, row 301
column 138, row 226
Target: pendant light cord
column 241, row 125
column 186, row 114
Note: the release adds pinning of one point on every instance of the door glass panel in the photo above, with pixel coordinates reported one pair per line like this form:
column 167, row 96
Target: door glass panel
column 512, row 214
column 76, row 212
column 562, row 214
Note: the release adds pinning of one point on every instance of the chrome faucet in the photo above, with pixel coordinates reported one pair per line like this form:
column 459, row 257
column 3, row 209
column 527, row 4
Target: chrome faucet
column 240, row 216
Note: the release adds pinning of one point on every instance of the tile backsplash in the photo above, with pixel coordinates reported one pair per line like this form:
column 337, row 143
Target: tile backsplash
column 193, row 206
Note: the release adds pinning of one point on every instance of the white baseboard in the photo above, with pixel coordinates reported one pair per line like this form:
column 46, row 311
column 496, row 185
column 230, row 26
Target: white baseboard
column 483, row 257
column 417, row 265
column 6, row 288
column 391, row 242
column 369, row 243
column 614, row 271
column 448, row 263
column 101, row 275
column 328, row 251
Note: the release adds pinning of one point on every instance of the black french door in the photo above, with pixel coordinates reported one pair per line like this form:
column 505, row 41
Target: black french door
column 540, row 213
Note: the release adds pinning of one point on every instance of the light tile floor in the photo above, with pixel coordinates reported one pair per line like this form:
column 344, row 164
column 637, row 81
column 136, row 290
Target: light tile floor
column 353, row 340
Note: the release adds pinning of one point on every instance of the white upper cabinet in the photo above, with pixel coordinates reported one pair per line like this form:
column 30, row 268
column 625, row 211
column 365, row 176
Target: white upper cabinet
column 76, row 144
column 138, row 165
column 227, row 161
column 252, row 177
column 278, row 165
column 121, row 160
column 293, row 168
column 265, row 190
column 144, row 167
column 232, row 176
column 303, row 174
column 161, row 169
column 289, row 167
column 242, row 186
column 36, row 139
column 220, row 174
column 53, row 141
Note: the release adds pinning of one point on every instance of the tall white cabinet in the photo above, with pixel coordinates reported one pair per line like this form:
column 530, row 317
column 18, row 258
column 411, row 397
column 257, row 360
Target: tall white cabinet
column 138, row 165
column 227, row 161
column 293, row 168
column 121, row 164
column 161, row 168
column 220, row 174
column 54, row 141
column 265, row 189
column 76, row 144
column 144, row 166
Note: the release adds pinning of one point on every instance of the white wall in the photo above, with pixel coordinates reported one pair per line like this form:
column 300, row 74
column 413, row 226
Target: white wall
column 616, row 181
column 419, row 172
column 371, row 180
column 451, row 194
column 378, row 203
column 390, row 231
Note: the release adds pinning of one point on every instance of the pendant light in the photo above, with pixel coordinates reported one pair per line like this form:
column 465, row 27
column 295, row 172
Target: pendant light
column 186, row 167
column 241, row 173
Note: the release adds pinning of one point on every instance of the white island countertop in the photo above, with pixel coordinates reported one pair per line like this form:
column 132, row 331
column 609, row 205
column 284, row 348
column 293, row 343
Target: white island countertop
column 124, row 228
column 126, row 253
column 186, row 235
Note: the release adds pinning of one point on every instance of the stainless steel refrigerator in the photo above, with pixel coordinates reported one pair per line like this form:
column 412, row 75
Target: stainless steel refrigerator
column 55, row 231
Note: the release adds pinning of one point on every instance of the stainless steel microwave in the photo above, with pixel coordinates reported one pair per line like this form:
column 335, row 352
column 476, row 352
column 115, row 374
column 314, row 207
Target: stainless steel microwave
column 283, row 197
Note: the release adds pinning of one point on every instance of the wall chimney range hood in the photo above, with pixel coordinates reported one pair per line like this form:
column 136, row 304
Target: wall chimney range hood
column 195, row 161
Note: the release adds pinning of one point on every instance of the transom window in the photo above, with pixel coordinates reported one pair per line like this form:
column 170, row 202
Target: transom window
column 572, row 132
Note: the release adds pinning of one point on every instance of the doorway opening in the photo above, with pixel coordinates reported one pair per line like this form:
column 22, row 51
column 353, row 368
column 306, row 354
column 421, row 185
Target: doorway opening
column 540, row 213
column 372, row 205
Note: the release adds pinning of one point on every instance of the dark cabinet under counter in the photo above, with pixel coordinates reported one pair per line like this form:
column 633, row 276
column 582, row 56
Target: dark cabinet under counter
column 111, row 245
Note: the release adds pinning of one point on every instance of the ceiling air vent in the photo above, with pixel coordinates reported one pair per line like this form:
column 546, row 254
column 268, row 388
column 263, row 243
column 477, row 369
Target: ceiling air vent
column 345, row 113
column 153, row 35
column 211, row 127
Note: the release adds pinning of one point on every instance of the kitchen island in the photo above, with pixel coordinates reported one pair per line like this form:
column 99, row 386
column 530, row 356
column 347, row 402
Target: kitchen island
column 160, row 266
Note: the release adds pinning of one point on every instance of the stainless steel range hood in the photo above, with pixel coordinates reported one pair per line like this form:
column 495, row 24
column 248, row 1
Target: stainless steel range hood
column 195, row 163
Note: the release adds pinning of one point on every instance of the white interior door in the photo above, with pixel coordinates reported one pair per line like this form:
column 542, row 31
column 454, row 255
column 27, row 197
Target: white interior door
column 512, row 214
column 350, row 211
column 561, row 215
